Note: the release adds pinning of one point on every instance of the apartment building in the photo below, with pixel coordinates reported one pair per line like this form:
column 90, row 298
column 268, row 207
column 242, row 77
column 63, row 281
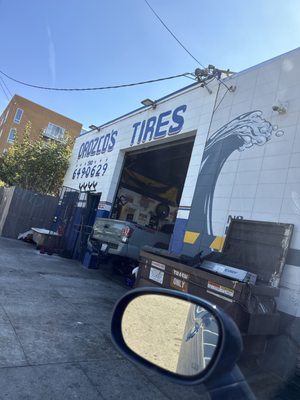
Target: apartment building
column 44, row 121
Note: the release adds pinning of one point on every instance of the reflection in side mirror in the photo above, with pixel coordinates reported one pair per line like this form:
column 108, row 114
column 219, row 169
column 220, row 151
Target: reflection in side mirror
column 174, row 334
column 182, row 337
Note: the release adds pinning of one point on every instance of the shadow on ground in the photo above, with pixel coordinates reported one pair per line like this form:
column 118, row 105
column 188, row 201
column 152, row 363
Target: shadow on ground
column 55, row 333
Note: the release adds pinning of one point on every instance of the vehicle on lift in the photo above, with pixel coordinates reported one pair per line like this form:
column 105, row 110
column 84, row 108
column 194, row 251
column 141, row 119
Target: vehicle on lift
column 136, row 220
column 123, row 239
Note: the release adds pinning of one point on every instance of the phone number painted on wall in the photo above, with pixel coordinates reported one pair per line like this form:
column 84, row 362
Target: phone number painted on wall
column 90, row 171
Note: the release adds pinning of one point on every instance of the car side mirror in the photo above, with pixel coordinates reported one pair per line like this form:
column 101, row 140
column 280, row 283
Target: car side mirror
column 180, row 336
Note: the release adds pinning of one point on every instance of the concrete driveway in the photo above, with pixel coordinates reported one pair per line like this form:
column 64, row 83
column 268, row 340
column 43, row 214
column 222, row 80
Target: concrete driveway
column 54, row 333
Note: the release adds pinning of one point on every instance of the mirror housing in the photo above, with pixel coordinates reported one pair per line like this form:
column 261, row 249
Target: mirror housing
column 228, row 350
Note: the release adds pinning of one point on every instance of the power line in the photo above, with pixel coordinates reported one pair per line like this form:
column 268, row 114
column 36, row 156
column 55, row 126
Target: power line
column 169, row 30
column 187, row 74
column 3, row 81
column 218, row 105
column 181, row 44
column 3, row 90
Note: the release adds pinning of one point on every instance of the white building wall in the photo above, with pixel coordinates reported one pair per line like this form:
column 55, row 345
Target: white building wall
column 261, row 182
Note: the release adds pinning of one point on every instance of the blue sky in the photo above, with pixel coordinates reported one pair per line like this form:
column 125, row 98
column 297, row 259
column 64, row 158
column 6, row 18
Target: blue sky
column 76, row 43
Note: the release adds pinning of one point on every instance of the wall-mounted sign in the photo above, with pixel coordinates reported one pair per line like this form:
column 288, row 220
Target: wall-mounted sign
column 98, row 145
column 168, row 123
column 95, row 155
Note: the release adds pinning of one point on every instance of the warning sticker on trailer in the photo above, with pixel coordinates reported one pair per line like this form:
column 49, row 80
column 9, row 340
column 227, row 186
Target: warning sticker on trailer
column 220, row 289
column 180, row 274
column 156, row 275
column 179, row 284
column 158, row 265
column 179, row 280
column 220, row 296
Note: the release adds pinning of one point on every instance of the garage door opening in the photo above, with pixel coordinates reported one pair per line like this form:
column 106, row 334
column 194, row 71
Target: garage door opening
column 151, row 185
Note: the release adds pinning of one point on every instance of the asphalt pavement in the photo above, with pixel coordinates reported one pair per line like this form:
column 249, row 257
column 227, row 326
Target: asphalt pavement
column 55, row 333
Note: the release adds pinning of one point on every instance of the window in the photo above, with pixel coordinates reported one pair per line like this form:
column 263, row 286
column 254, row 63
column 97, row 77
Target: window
column 18, row 115
column 12, row 135
column 1, row 131
column 54, row 132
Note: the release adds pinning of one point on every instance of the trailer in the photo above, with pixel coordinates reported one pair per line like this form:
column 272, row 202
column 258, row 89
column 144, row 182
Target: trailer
column 243, row 278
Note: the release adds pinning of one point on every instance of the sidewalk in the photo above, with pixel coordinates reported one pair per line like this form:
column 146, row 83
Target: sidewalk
column 55, row 334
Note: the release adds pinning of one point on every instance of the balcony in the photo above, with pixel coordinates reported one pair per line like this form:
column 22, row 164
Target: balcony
column 54, row 132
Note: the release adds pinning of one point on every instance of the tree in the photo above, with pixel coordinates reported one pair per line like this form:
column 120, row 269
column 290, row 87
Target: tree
column 36, row 164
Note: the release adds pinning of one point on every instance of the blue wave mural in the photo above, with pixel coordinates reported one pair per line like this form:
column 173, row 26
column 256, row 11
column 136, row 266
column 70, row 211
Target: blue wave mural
column 240, row 134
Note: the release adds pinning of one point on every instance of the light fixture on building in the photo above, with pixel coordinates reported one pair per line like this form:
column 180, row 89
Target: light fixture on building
column 148, row 103
column 280, row 108
column 94, row 127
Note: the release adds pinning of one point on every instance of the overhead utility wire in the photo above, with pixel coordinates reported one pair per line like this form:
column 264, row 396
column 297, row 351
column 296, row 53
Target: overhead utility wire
column 187, row 74
column 5, row 85
column 3, row 90
column 181, row 44
column 169, row 30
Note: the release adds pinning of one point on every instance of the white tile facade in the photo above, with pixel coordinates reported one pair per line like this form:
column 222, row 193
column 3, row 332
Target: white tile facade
column 261, row 182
